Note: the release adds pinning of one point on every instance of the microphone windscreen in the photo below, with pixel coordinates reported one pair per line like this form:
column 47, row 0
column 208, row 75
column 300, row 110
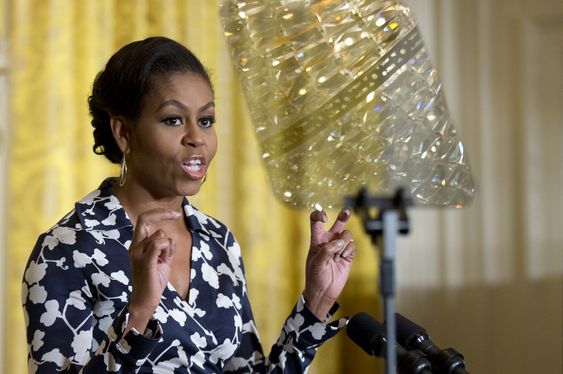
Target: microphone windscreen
column 407, row 330
column 366, row 332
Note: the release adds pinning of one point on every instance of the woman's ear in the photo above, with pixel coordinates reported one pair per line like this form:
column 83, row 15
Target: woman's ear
column 121, row 133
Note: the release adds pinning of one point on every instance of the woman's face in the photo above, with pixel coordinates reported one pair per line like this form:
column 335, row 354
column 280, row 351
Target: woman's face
column 173, row 141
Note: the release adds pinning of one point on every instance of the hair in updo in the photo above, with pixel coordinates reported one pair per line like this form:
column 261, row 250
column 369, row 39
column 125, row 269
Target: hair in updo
column 120, row 88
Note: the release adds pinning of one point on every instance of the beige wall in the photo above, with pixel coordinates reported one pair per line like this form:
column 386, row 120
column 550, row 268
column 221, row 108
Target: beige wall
column 487, row 279
column 3, row 153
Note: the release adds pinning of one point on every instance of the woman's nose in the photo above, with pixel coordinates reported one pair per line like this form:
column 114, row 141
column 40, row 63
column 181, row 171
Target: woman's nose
column 193, row 136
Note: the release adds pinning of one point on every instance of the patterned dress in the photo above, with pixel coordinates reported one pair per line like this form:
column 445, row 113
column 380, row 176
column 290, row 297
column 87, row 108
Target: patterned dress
column 77, row 285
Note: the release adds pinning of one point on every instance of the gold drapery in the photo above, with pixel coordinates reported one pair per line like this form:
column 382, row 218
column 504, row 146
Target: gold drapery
column 55, row 49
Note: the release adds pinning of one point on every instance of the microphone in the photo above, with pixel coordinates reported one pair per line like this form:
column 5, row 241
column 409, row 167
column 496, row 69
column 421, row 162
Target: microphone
column 369, row 334
column 413, row 336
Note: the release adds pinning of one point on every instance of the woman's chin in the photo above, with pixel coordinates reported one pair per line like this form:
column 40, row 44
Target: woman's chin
column 191, row 187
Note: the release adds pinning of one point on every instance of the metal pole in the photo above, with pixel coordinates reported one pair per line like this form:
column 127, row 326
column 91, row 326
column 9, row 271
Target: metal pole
column 387, row 274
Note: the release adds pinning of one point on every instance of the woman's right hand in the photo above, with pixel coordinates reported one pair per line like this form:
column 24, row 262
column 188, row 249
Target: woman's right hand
column 151, row 253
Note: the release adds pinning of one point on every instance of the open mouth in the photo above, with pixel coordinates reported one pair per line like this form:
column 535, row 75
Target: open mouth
column 194, row 167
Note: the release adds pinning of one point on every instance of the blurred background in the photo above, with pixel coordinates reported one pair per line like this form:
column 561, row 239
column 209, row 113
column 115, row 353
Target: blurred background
column 486, row 279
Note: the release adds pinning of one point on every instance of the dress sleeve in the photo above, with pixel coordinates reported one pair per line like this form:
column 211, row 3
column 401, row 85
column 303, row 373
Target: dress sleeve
column 295, row 348
column 59, row 308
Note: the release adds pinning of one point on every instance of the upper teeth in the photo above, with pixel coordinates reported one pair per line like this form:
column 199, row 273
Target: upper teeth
column 194, row 164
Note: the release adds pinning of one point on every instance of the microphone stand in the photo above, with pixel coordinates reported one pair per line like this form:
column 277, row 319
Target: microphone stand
column 383, row 218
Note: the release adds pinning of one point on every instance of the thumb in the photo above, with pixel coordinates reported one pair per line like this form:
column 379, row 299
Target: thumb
column 328, row 250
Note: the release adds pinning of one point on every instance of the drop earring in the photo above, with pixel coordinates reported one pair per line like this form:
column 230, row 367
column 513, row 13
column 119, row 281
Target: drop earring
column 123, row 172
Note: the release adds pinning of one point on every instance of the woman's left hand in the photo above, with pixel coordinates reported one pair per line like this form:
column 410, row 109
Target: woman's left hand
column 328, row 262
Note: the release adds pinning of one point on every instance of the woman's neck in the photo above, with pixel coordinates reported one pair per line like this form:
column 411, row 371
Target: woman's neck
column 136, row 200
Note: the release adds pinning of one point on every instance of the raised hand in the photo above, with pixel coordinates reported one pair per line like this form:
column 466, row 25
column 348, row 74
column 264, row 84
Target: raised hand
column 151, row 253
column 328, row 262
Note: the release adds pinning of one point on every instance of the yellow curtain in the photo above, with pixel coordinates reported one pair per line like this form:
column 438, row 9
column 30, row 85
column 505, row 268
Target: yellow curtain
column 56, row 47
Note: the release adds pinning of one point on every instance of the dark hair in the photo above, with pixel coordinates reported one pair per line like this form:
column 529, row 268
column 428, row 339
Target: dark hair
column 120, row 88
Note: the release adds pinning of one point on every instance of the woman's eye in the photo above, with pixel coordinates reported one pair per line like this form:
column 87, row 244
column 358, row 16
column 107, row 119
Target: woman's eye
column 172, row 121
column 207, row 122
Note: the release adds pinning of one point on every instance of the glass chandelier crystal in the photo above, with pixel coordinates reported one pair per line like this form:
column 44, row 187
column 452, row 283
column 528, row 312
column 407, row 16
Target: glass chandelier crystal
column 343, row 95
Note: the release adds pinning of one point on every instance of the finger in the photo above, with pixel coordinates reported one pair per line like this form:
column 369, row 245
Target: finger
column 168, row 253
column 157, row 237
column 172, row 248
column 318, row 216
column 318, row 219
column 148, row 218
column 157, row 249
column 345, row 235
column 139, row 251
column 341, row 220
column 329, row 250
column 349, row 251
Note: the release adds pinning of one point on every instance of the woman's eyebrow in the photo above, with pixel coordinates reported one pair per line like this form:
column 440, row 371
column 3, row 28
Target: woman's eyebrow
column 172, row 102
column 210, row 104
column 182, row 106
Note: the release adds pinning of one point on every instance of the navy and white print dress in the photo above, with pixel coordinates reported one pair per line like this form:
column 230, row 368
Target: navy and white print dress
column 77, row 285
